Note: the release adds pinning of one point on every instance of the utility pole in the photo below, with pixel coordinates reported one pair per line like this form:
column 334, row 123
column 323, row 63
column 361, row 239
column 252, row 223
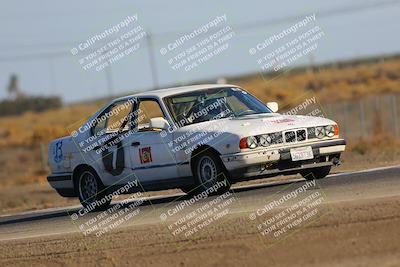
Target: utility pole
column 152, row 60
column 53, row 82
column 109, row 81
column 312, row 61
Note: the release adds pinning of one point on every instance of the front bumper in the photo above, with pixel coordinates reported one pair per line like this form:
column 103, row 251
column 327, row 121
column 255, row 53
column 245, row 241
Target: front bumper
column 272, row 161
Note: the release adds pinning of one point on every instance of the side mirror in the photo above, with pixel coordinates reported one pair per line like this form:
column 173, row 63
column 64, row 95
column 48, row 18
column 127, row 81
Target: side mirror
column 273, row 106
column 158, row 123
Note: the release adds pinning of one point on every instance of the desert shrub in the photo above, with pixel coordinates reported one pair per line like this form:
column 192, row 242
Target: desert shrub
column 24, row 104
column 46, row 133
column 360, row 147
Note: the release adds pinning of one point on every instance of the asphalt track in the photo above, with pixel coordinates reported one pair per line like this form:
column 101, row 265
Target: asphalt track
column 367, row 184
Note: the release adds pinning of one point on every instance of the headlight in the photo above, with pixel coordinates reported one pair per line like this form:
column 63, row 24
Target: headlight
column 265, row 140
column 248, row 142
column 320, row 132
column 329, row 131
column 252, row 142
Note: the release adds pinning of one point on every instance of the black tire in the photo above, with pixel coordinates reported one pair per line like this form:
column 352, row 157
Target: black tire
column 316, row 173
column 208, row 171
column 90, row 190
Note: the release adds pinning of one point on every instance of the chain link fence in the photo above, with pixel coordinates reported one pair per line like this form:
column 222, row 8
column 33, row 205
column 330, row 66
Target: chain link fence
column 367, row 117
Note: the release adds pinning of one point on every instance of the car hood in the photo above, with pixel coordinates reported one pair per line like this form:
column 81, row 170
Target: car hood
column 264, row 123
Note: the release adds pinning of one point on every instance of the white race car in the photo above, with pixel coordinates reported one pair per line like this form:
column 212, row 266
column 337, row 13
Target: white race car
column 196, row 138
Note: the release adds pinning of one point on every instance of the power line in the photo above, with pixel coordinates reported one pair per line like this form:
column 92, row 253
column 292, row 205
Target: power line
column 237, row 27
column 320, row 14
column 151, row 37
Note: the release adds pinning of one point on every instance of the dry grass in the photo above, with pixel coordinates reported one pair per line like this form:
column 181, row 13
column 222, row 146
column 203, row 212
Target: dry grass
column 32, row 129
column 380, row 143
column 330, row 84
column 24, row 138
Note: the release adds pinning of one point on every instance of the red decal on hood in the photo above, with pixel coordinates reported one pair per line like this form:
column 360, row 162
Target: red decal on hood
column 283, row 121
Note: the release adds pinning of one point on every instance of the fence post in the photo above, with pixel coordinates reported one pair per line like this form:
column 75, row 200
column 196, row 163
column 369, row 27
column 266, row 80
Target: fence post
column 328, row 112
column 43, row 157
column 362, row 119
column 378, row 115
column 344, row 106
column 395, row 121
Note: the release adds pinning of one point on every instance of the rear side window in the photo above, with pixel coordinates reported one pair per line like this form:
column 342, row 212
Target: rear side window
column 119, row 116
column 116, row 117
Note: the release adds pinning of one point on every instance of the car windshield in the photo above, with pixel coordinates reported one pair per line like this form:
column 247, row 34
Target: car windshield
column 212, row 104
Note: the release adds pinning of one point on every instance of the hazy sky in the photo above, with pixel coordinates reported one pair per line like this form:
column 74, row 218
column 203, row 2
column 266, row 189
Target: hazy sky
column 36, row 37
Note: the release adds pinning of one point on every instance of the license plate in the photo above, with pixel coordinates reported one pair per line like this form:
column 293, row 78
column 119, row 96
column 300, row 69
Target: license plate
column 301, row 153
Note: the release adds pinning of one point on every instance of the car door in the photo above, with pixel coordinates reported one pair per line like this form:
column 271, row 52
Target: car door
column 152, row 160
column 112, row 134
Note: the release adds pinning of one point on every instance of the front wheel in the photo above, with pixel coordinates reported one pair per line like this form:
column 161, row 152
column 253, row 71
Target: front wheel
column 210, row 174
column 92, row 193
column 316, row 173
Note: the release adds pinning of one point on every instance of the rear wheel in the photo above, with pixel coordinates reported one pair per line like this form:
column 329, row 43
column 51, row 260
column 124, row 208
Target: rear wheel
column 316, row 173
column 209, row 174
column 92, row 192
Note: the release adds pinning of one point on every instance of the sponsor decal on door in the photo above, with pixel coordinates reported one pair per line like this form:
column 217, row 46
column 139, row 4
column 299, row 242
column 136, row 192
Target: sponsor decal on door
column 145, row 155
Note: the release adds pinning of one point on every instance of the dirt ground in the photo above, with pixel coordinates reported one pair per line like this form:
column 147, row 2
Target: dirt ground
column 361, row 229
column 364, row 232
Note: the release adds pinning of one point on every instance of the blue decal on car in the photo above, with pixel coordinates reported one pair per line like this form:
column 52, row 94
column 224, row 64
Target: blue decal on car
column 57, row 152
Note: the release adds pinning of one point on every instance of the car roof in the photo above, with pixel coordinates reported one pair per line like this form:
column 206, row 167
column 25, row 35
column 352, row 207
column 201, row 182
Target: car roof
column 160, row 93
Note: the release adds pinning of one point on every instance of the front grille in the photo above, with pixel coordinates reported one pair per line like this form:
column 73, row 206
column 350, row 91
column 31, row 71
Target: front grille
column 276, row 138
column 293, row 136
column 301, row 135
column 311, row 132
column 290, row 137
